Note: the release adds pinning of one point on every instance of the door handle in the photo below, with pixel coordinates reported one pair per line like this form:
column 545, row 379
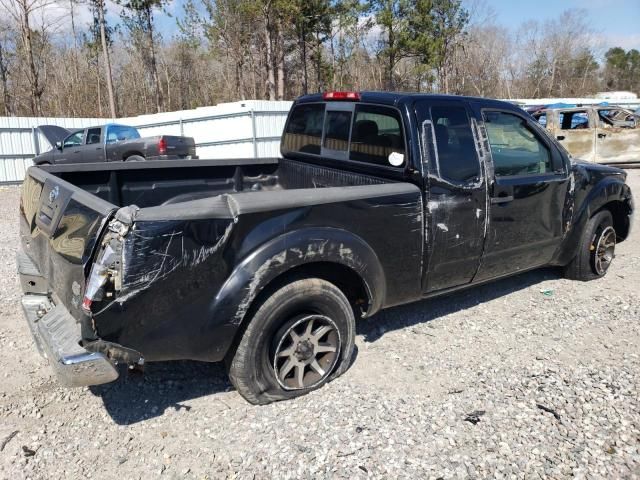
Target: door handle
column 560, row 137
column 505, row 199
column 602, row 135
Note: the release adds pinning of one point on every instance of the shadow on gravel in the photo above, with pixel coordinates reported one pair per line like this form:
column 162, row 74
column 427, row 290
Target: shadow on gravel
column 164, row 386
column 426, row 310
column 136, row 397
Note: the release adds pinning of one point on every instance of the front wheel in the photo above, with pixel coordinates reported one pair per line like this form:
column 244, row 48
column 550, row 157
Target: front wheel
column 596, row 249
column 299, row 338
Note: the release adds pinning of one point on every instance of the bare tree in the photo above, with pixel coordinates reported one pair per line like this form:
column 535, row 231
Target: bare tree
column 99, row 8
column 5, row 39
column 22, row 11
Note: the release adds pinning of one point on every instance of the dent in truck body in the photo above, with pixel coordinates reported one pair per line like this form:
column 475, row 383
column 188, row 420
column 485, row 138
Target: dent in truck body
column 62, row 248
column 187, row 283
column 593, row 187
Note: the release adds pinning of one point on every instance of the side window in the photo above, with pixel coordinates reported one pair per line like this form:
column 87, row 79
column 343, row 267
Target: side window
column 377, row 136
column 119, row 133
column 93, row 136
column 304, row 129
column 576, row 120
column 74, row 139
column 457, row 156
column 336, row 130
column 615, row 117
column 515, row 149
column 541, row 118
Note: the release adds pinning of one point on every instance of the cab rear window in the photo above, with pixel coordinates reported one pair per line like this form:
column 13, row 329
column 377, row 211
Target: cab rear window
column 304, row 130
column 364, row 133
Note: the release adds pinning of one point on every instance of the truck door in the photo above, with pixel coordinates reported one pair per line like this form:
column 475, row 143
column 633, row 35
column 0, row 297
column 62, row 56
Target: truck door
column 526, row 197
column 93, row 149
column 455, row 197
column 71, row 151
column 576, row 131
column 617, row 136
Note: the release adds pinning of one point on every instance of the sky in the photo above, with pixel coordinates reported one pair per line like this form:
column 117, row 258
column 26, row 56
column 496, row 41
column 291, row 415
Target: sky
column 616, row 22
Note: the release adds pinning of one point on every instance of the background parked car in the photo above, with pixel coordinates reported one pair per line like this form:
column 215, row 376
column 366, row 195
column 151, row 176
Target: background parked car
column 109, row 143
column 603, row 134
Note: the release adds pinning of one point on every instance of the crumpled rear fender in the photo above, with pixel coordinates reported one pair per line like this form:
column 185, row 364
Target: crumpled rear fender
column 291, row 250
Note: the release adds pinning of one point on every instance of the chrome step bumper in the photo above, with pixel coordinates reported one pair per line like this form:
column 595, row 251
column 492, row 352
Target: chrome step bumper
column 57, row 336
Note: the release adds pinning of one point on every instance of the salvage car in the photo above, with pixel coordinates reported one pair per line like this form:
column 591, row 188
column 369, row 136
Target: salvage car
column 602, row 134
column 111, row 143
column 379, row 199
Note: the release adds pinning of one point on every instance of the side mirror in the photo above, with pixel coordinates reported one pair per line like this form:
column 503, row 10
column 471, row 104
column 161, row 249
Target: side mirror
column 59, row 145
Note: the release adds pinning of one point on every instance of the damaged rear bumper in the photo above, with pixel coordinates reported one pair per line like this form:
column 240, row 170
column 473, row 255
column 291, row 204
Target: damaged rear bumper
column 58, row 338
column 57, row 335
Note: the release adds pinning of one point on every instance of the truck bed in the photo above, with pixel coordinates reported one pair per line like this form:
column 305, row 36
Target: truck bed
column 149, row 184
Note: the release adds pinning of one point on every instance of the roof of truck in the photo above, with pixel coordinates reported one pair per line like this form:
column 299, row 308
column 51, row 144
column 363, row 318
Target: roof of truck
column 397, row 98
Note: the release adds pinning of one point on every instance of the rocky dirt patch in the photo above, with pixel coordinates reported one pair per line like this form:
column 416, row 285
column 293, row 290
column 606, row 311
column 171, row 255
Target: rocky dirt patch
column 533, row 376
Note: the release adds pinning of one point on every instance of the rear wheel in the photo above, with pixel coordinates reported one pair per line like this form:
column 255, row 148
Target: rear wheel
column 299, row 338
column 596, row 250
column 135, row 158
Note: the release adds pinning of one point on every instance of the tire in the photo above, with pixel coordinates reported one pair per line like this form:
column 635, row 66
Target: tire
column 135, row 158
column 278, row 320
column 596, row 249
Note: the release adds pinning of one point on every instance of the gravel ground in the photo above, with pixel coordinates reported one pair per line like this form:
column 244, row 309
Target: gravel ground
column 534, row 376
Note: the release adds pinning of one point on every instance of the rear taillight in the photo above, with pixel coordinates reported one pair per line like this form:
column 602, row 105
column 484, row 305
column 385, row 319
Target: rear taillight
column 103, row 272
column 162, row 146
column 353, row 96
column 105, row 277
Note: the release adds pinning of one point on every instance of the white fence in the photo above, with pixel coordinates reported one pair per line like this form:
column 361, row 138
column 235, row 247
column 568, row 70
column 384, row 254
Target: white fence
column 20, row 142
column 248, row 129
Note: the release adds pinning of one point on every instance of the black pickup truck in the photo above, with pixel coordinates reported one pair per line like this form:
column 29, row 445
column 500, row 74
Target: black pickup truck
column 379, row 199
column 111, row 143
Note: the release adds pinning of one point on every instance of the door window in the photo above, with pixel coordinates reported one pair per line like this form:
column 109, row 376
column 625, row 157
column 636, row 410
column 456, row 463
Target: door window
column 541, row 118
column 74, row 139
column 515, row 148
column 93, row 136
column 615, row 117
column 576, row 120
column 457, row 157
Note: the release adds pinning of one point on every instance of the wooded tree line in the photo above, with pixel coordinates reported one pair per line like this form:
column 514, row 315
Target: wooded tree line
column 52, row 63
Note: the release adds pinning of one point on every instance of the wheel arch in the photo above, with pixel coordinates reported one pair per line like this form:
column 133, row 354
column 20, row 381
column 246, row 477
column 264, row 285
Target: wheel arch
column 620, row 212
column 335, row 255
column 126, row 155
column 609, row 193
